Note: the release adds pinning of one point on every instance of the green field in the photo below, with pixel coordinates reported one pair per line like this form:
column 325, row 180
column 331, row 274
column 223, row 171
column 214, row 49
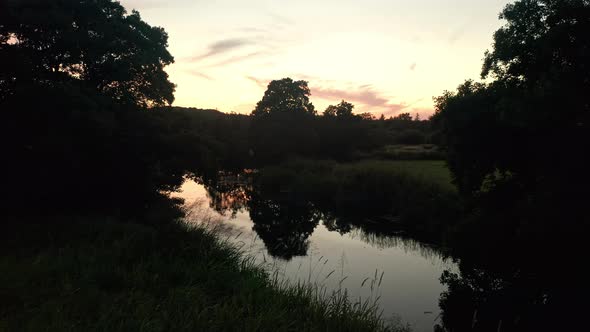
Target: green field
column 433, row 171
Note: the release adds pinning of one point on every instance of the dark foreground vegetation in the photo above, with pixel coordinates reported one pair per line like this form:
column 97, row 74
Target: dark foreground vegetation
column 103, row 275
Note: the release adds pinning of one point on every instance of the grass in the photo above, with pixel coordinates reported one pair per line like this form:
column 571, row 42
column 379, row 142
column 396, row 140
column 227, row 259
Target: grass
column 417, row 194
column 109, row 276
column 431, row 171
column 405, row 152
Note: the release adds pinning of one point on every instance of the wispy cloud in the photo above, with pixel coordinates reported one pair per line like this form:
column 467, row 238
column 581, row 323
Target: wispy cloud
column 200, row 74
column 260, row 82
column 364, row 94
column 234, row 59
column 221, row 47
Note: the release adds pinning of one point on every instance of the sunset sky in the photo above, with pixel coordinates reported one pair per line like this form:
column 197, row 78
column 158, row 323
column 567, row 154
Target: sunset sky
column 384, row 56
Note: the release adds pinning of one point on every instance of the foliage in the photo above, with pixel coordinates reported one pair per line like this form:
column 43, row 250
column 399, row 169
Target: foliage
column 96, row 276
column 416, row 194
column 285, row 96
column 93, row 42
column 514, row 142
column 76, row 77
column 341, row 111
column 514, row 146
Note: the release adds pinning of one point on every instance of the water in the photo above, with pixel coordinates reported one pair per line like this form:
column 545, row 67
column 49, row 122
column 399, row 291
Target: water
column 304, row 244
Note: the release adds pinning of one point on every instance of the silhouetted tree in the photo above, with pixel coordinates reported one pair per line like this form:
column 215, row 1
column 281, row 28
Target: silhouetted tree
column 514, row 143
column 285, row 96
column 341, row 111
column 74, row 79
column 403, row 117
column 282, row 124
column 94, row 42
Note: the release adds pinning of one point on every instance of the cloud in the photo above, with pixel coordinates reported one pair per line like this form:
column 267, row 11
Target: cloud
column 365, row 97
column 364, row 94
column 201, row 75
column 221, row 47
column 260, row 82
column 234, row 59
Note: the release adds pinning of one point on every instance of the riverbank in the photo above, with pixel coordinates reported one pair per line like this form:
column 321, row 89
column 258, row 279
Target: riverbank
column 412, row 195
column 97, row 275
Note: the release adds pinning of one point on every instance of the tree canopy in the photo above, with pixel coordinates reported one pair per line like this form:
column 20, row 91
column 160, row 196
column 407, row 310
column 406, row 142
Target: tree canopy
column 95, row 42
column 285, row 96
column 342, row 111
column 516, row 140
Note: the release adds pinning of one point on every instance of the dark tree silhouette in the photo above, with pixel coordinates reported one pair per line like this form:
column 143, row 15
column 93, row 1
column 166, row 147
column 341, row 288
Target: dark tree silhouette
column 516, row 147
column 527, row 127
column 285, row 96
column 74, row 79
column 95, row 42
column 282, row 124
column 341, row 111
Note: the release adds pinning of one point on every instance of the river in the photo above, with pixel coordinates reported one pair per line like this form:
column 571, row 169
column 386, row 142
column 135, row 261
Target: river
column 300, row 244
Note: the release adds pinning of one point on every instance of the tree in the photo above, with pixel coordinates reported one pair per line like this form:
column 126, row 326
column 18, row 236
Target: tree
column 94, row 42
column 366, row 116
column 285, row 96
column 536, row 101
column 403, row 117
column 74, row 79
column 342, row 111
column 514, row 142
column 283, row 122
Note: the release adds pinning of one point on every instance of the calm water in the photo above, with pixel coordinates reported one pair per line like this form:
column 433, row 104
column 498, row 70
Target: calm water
column 304, row 244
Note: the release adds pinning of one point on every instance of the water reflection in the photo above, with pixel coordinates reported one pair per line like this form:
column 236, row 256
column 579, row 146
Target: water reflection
column 424, row 284
column 284, row 227
column 304, row 242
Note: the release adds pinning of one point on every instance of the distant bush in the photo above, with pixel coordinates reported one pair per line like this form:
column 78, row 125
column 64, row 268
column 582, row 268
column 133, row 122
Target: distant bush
column 411, row 136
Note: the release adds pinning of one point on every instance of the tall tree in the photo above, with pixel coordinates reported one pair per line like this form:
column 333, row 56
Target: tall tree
column 74, row 75
column 92, row 41
column 285, row 96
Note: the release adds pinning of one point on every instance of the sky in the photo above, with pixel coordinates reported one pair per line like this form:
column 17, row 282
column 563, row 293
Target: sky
column 384, row 56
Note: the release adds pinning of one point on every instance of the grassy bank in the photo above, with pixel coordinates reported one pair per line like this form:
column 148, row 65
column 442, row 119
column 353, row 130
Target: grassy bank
column 107, row 276
column 415, row 194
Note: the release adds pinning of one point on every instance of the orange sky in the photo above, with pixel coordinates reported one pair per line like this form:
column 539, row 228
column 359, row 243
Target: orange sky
column 384, row 56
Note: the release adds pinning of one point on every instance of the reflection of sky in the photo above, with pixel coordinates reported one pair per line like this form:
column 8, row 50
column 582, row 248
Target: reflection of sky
column 410, row 285
column 385, row 56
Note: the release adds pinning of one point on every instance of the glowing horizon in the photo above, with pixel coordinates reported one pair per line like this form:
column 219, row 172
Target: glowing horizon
column 385, row 57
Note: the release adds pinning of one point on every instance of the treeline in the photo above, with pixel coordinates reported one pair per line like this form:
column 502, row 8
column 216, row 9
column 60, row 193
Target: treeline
column 87, row 124
column 236, row 141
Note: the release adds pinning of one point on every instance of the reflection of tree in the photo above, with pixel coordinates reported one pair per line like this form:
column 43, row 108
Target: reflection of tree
column 284, row 227
column 334, row 223
column 229, row 193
